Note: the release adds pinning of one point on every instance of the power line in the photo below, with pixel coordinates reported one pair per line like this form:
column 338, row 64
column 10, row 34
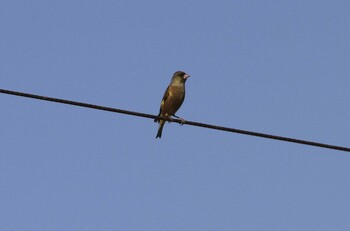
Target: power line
column 79, row 104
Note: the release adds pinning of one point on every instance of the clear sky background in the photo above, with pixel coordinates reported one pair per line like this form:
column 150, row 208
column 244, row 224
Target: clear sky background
column 278, row 67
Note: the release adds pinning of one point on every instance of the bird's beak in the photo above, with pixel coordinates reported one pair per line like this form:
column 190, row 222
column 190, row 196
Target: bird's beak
column 186, row 76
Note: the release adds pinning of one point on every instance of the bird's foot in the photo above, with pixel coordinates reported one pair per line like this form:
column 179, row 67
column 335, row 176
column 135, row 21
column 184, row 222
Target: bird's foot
column 182, row 121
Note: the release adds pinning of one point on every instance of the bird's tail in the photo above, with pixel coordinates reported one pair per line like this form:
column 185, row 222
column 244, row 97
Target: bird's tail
column 160, row 129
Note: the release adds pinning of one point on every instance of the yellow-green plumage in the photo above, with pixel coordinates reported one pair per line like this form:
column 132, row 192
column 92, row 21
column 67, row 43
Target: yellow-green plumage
column 173, row 98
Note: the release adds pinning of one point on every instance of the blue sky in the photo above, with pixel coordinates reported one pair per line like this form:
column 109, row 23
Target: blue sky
column 278, row 67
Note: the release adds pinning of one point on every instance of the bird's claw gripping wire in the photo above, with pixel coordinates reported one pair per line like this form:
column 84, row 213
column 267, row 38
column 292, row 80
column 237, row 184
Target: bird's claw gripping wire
column 182, row 121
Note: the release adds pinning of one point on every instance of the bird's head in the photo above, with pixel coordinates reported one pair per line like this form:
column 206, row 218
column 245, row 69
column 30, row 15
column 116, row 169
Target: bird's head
column 180, row 77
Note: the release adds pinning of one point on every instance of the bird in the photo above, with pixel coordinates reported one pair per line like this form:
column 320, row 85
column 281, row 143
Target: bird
column 172, row 100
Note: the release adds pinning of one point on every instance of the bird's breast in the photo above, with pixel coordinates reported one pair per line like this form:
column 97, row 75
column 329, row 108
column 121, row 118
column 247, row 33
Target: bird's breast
column 174, row 100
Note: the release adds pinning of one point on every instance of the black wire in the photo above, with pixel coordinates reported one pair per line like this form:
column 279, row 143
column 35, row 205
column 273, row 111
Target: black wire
column 305, row 142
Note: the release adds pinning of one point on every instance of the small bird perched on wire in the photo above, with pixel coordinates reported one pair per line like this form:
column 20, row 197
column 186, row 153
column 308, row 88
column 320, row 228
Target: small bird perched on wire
column 173, row 98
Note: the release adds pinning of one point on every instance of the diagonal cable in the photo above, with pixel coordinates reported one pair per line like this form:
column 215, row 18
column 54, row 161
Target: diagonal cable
column 227, row 129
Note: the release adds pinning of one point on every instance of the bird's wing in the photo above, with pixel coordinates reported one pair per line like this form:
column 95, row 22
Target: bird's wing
column 165, row 97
